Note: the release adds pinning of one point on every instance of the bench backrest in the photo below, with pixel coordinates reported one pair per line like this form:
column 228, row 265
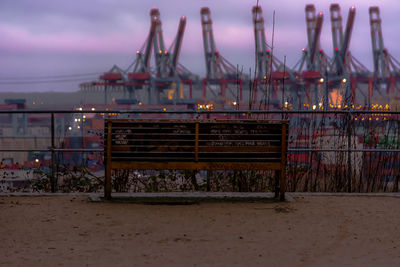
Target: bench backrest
column 226, row 144
column 195, row 144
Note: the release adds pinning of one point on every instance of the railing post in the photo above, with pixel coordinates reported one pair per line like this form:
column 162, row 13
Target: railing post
column 53, row 179
column 107, row 176
column 349, row 124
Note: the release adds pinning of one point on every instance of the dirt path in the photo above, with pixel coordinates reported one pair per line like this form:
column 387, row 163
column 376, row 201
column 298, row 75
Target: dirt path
column 313, row 231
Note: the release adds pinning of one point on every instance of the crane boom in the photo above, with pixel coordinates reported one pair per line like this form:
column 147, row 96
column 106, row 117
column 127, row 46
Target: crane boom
column 377, row 41
column 314, row 26
column 178, row 42
column 347, row 35
column 260, row 42
column 316, row 37
column 150, row 38
column 160, row 53
column 337, row 29
column 209, row 44
column 310, row 23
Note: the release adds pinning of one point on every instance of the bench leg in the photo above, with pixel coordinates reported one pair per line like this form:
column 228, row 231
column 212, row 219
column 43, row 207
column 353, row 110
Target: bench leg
column 107, row 183
column 282, row 184
column 277, row 180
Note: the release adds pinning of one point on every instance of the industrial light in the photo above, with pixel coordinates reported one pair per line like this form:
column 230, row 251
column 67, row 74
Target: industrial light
column 344, row 80
column 321, row 80
column 93, row 109
column 70, row 128
column 76, row 120
column 164, row 109
column 36, row 160
column 314, row 106
column 84, row 116
column 79, row 127
column 234, row 103
column 140, row 103
column 80, row 108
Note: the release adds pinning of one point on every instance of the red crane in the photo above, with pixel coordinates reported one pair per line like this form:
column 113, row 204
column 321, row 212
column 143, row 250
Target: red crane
column 140, row 77
column 270, row 71
column 313, row 67
column 347, row 74
column 386, row 67
column 220, row 72
column 170, row 75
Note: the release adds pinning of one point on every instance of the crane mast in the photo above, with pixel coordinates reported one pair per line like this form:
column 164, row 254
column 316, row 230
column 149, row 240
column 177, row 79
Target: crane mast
column 260, row 43
column 343, row 60
column 337, row 29
column 160, row 53
column 386, row 67
column 347, row 34
column 377, row 43
column 209, row 44
column 314, row 27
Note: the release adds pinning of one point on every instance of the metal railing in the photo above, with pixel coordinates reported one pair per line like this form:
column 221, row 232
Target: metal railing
column 346, row 117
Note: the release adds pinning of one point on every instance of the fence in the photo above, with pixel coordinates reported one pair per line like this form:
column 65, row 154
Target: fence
column 335, row 151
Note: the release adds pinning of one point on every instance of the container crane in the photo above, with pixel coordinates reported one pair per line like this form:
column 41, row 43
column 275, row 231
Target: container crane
column 168, row 72
column 220, row 72
column 140, row 77
column 386, row 67
column 269, row 69
column 314, row 65
column 347, row 73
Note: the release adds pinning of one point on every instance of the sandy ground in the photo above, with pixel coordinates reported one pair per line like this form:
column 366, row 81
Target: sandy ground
column 313, row 231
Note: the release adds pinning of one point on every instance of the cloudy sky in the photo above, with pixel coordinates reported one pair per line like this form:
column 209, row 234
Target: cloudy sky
column 45, row 40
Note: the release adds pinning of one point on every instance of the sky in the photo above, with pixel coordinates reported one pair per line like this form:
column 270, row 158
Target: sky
column 73, row 41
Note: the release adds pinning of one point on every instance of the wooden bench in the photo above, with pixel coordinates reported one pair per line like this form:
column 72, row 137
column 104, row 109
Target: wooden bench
column 196, row 145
